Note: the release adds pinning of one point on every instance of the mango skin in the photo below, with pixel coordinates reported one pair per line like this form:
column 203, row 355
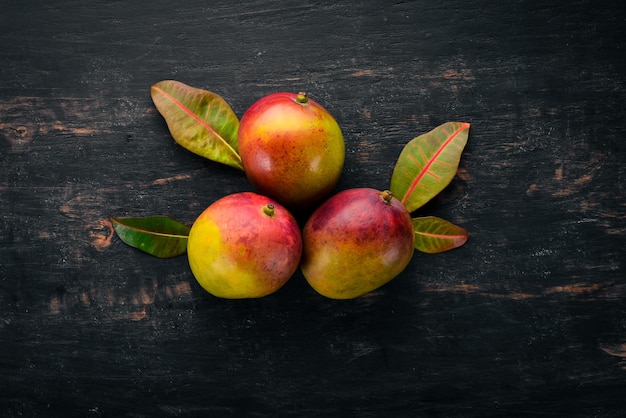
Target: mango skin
column 356, row 242
column 236, row 250
column 291, row 151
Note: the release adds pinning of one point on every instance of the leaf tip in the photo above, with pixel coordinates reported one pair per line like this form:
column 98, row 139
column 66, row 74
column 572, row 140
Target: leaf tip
column 460, row 241
column 463, row 126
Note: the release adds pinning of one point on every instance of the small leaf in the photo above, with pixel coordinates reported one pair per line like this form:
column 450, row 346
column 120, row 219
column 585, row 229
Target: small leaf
column 435, row 235
column 199, row 120
column 428, row 163
column 159, row 236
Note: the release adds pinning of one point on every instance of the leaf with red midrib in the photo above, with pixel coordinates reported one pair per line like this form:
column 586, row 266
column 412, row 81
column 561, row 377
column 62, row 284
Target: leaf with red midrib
column 199, row 120
column 428, row 163
column 435, row 235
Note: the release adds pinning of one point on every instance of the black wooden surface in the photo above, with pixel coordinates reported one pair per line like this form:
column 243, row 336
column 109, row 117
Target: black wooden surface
column 527, row 319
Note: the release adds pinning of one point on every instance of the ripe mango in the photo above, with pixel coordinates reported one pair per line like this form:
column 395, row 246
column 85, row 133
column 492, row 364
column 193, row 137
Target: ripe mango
column 355, row 242
column 244, row 245
column 291, row 148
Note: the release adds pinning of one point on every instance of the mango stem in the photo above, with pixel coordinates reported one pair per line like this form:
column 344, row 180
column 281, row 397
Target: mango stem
column 269, row 209
column 302, row 98
column 386, row 196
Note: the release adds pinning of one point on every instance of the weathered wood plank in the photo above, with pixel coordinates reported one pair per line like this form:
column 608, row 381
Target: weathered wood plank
column 528, row 318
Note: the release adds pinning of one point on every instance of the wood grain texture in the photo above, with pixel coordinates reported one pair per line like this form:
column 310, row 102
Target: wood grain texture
column 527, row 319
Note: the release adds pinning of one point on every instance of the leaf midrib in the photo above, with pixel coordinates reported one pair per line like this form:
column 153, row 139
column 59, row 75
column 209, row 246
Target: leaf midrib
column 201, row 122
column 430, row 162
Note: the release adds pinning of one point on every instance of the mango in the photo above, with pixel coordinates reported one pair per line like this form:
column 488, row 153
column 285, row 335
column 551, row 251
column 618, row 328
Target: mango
column 355, row 242
column 292, row 149
column 244, row 245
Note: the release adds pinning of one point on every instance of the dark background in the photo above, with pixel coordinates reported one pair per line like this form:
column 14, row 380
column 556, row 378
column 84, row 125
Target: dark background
column 527, row 319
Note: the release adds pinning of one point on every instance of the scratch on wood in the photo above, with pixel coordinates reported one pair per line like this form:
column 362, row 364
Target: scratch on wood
column 464, row 74
column 571, row 180
column 166, row 180
column 572, row 176
column 76, row 131
column 133, row 306
column 75, row 208
column 181, row 289
column 362, row 349
column 532, row 189
column 21, row 127
column 463, row 175
column 387, row 72
column 362, row 73
column 458, row 288
column 132, row 316
column 616, row 351
column 558, row 173
column 572, row 290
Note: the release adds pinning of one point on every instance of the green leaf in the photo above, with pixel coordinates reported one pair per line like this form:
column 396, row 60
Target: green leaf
column 428, row 163
column 159, row 236
column 199, row 120
column 435, row 235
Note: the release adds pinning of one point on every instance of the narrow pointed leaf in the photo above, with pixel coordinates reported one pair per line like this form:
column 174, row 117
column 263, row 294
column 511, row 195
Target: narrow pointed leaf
column 428, row 163
column 435, row 235
column 199, row 120
column 159, row 236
